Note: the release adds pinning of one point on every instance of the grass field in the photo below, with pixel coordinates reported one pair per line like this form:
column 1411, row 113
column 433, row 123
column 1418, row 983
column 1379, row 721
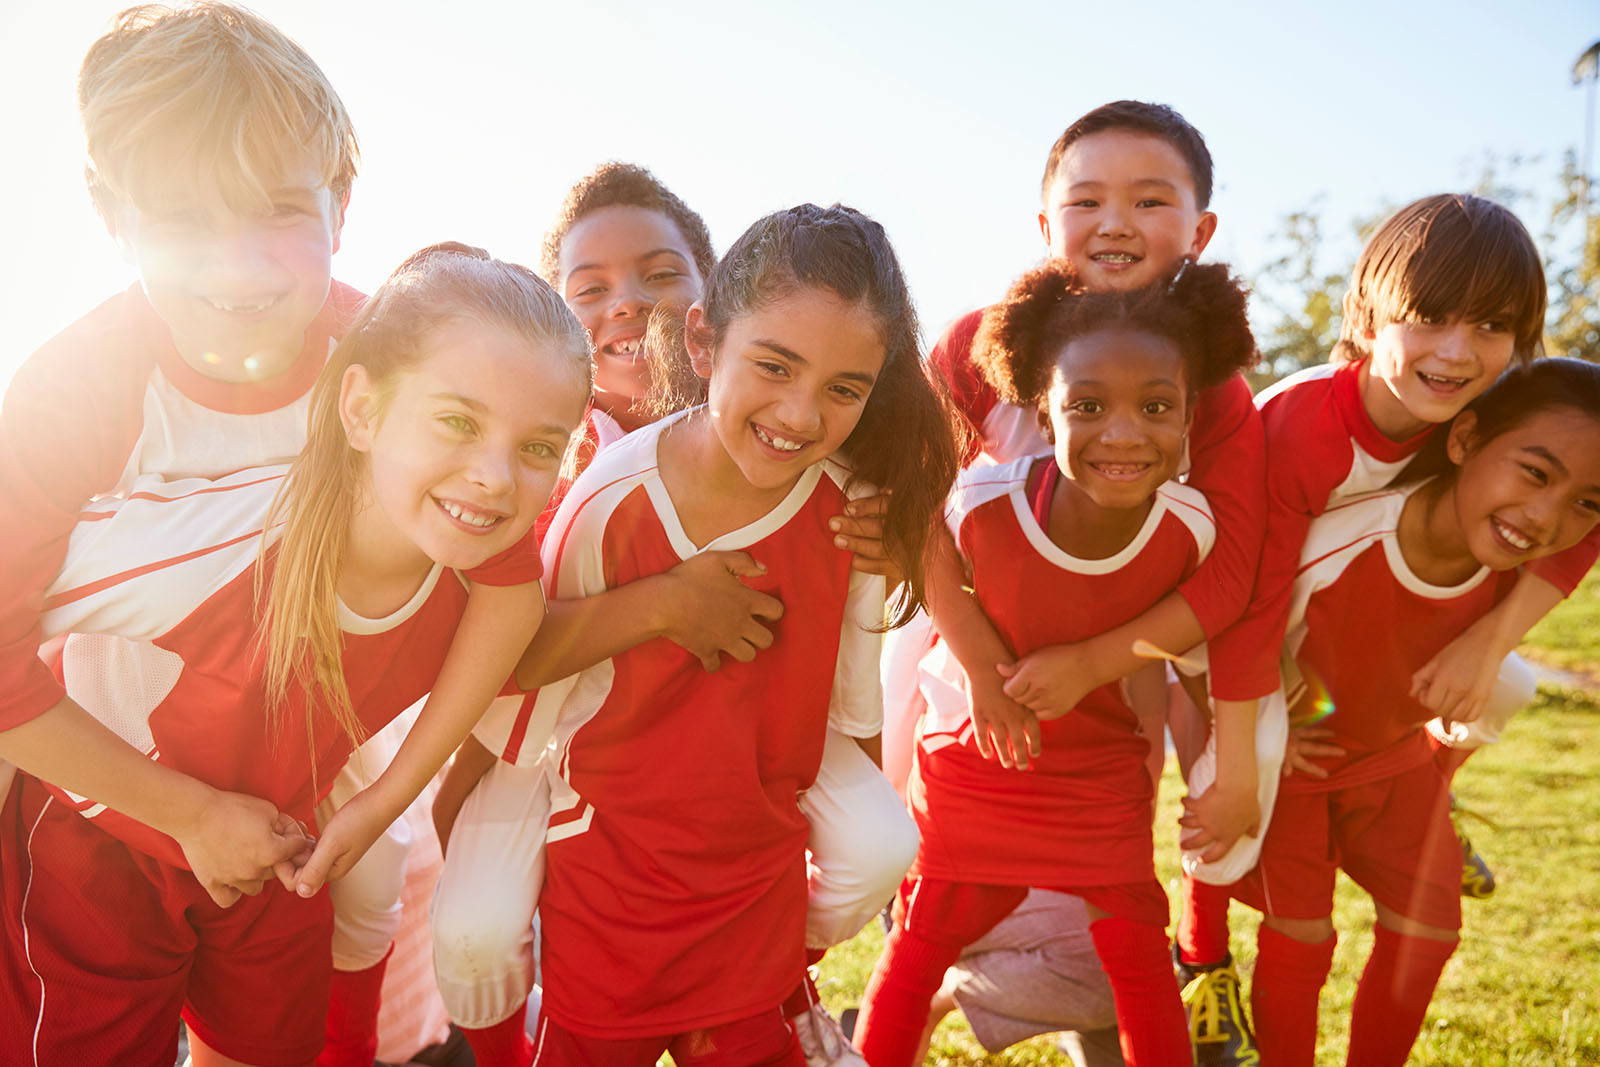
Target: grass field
column 1524, row 987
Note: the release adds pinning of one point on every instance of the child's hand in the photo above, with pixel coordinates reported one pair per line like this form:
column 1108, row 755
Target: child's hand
column 1456, row 683
column 342, row 843
column 860, row 531
column 711, row 611
column 1047, row 681
column 1005, row 730
column 1306, row 743
column 238, row 842
column 1219, row 817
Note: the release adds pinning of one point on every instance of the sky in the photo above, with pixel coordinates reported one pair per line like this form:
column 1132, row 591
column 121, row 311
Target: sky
column 474, row 118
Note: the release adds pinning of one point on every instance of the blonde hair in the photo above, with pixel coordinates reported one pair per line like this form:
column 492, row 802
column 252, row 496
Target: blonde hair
column 300, row 630
column 213, row 89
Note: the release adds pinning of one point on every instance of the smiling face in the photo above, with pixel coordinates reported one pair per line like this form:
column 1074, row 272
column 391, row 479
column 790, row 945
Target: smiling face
column 1422, row 373
column 1122, row 210
column 1531, row 491
column 615, row 265
column 464, row 448
column 789, row 382
column 237, row 287
column 1117, row 410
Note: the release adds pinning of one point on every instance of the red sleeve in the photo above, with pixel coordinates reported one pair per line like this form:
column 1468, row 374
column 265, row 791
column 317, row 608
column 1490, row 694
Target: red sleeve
column 69, row 421
column 1227, row 462
column 1308, row 456
column 517, row 565
column 1566, row 569
column 951, row 361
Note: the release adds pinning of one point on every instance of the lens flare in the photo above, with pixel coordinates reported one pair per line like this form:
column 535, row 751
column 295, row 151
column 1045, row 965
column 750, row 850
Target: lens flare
column 1316, row 703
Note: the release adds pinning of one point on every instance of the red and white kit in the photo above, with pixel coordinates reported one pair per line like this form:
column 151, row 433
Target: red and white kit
column 1324, row 451
column 1078, row 820
column 172, row 564
column 1081, row 814
column 1225, row 459
column 675, row 898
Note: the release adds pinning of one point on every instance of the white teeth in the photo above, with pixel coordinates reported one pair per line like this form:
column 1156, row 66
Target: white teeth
column 1441, row 380
column 625, row 348
column 239, row 309
column 471, row 518
column 1114, row 257
column 780, row 443
column 1516, row 540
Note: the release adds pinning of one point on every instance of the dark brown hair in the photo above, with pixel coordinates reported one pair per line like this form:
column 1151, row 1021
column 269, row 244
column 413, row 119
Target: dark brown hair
column 624, row 185
column 903, row 442
column 1447, row 255
column 1201, row 309
column 1135, row 116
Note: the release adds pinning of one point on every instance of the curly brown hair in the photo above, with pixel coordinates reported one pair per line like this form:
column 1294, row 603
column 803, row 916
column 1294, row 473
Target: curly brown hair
column 1201, row 309
column 616, row 184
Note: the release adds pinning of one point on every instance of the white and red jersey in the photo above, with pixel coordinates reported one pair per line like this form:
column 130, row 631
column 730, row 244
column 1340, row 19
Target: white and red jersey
column 675, row 897
column 1361, row 623
column 105, row 402
column 1080, row 815
column 1225, row 460
column 172, row 566
column 1323, row 450
column 599, row 430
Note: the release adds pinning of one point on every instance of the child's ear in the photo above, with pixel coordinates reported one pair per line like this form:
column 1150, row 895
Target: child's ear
column 1355, row 321
column 1047, row 429
column 694, row 326
column 1463, row 431
column 339, row 209
column 1203, row 233
column 358, row 407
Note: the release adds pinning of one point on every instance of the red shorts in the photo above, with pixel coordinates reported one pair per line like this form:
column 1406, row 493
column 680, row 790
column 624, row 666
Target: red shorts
column 958, row 913
column 105, row 947
column 764, row 1040
column 1393, row 837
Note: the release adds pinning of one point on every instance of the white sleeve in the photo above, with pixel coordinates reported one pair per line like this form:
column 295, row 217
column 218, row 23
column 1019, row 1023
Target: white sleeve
column 856, row 706
column 138, row 565
column 518, row 728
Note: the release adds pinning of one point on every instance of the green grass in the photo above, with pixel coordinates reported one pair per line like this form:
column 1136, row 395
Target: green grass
column 1569, row 637
column 1524, row 987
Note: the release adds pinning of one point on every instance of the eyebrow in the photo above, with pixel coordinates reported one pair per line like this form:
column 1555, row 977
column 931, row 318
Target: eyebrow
column 795, row 357
column 1094, row 184
column 1546, row 455
column 470, row 404
column 1095, row 383
column 673, row 252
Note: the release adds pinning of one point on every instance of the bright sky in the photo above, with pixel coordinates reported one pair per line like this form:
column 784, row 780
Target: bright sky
column 475, row 116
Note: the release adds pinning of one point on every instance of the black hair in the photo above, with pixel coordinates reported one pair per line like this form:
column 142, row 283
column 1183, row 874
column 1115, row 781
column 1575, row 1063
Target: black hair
column 1136, row 116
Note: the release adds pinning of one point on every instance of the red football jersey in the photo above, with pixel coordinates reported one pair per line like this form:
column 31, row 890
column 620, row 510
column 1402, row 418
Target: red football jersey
column 1081, row 814
column 675, row 897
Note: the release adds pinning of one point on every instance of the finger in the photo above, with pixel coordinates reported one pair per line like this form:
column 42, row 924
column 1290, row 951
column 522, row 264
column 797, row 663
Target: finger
column 757, row 635
column 1215, row 852
column 980, row 734
column 883, row 568
column 225, row 896
column 763, row 606
column 249, row 888
column 710, row 662
column 286, row 873
column 738, row 564
column 877, row 504
column 1035, row 736
column 1019, row 750
column 741, row 650
column 315, row 872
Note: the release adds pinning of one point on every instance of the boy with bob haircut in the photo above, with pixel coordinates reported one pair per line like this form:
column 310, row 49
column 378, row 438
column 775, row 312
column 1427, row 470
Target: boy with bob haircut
column 221, row 160
column 1126, row 193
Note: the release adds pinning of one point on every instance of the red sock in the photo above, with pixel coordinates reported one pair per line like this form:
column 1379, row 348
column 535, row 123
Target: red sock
column 805, row 994
column 505, row 1044
column 1284, row 989
column 1392, row 998
column 351, row 1034
column 894, row 1008
column 1203, row 927
column 1150, row 1018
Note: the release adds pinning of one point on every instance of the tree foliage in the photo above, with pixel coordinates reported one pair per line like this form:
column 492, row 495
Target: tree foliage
column 1299, row 300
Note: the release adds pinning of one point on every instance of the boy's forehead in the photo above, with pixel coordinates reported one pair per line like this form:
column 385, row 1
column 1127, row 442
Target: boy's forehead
column 1122, row 158
column 620, row 230
column 167, row 182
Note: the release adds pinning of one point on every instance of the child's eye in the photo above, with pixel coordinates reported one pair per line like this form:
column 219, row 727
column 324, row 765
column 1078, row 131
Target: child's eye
column 1151, row 201
column 1158, row 407
column 541, row 450
column 588, row 291
column 663, row 275
column 846, row 393
column 1086, row 407
column 1495, row 326
column 767, row 366
column 458, row 423
column 1535, row 474
column 1085, row 202
column 1589, row 504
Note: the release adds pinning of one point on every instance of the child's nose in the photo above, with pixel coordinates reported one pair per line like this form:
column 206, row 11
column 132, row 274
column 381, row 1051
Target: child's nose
column 493, row 470
column 630, row 299
column 799, row 411
column 1121, row 429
